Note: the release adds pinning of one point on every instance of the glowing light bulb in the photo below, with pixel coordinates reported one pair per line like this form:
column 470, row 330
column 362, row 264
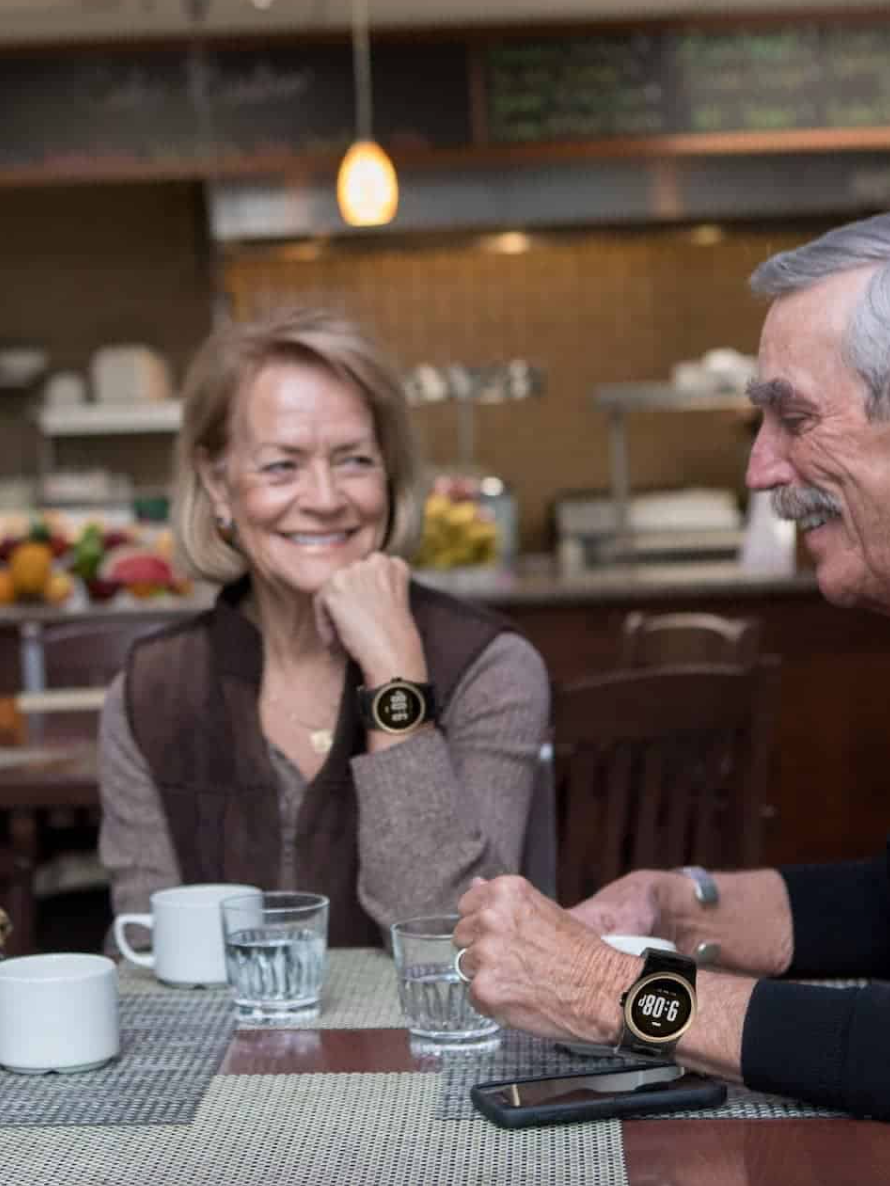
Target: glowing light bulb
column 367, row 187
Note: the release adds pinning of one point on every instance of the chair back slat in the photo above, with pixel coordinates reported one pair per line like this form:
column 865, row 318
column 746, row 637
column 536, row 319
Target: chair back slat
column 649, row 806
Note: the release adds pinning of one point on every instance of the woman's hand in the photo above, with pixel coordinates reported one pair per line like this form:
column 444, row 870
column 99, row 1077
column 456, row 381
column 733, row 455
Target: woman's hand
column 535, row 967
column 631, row 905
column 365, row 608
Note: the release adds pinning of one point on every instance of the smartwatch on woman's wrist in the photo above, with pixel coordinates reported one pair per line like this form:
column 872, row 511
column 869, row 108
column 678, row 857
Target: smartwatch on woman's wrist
column 399, row 706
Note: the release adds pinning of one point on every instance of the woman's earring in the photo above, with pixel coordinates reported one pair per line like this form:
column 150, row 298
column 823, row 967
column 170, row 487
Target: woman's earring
column 228, row 533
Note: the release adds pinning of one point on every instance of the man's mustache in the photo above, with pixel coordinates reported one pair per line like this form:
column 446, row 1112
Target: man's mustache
column 796, row 502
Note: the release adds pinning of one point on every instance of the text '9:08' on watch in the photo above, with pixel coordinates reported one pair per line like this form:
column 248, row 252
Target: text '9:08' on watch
column 659, row 1007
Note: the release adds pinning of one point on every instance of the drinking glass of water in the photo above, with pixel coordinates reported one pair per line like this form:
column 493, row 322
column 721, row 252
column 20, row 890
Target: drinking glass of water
column 276, row 953
column 434, row 999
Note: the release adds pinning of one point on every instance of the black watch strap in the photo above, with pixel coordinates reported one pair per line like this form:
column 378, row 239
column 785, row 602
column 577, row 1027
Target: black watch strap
column 398, row 706
column 656, row 960
column 678, row 973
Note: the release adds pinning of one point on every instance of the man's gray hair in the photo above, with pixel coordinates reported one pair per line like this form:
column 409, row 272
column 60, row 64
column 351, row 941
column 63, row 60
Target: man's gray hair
column 867, row 339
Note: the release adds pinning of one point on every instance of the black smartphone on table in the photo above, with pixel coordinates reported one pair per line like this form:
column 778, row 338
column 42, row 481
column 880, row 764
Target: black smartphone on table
column 595, row 1095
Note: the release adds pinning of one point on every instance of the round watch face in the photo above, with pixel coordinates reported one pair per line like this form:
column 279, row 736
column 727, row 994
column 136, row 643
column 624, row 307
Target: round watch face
column 397, row 707
column 660, row 1007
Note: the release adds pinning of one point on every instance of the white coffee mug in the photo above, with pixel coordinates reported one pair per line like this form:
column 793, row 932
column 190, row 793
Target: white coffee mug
column 187, row 936
column 58, row 1013
column 637, row 944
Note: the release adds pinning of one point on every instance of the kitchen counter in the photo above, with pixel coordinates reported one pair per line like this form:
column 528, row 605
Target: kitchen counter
column 537, row 581
column 147, row 607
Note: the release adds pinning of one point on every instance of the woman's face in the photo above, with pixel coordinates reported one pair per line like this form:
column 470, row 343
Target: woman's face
column 302, row 477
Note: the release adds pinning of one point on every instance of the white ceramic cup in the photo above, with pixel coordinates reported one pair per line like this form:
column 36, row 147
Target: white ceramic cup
column 637, row 944
column 58, row 1013
column 187, row 935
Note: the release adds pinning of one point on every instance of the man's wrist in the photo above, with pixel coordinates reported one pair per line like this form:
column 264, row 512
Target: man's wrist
column 682, row 917
column 692, row 896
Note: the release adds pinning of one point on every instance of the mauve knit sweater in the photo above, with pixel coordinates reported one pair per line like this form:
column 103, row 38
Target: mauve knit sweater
column 471, row 780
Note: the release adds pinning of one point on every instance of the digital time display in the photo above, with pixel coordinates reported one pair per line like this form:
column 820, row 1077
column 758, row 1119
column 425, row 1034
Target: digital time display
column 398, row 706
column 661, row 1007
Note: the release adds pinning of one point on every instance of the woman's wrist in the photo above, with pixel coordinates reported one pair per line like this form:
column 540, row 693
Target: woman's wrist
column 751, row 922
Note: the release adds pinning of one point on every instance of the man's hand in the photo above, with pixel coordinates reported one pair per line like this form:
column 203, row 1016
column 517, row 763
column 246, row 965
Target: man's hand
column 536, row 968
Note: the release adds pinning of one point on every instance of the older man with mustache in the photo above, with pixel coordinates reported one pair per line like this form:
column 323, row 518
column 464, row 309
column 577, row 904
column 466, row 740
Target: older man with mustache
column 823, row 449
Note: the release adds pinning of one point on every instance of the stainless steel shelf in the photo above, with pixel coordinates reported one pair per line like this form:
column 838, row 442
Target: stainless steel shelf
column 110, row 419
column 641, row 397
column 620, row 398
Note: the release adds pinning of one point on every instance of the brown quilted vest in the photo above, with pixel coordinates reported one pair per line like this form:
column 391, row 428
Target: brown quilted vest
column 192, row 703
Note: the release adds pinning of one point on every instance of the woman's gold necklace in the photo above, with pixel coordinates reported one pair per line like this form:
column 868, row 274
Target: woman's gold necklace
column 321, row 740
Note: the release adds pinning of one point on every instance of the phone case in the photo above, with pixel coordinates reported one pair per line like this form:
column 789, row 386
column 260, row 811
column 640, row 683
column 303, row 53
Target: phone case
column 690, row 1091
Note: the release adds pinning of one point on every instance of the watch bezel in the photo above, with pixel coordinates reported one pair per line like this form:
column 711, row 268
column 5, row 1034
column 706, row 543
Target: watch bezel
column 387, row 689
column 634, row 991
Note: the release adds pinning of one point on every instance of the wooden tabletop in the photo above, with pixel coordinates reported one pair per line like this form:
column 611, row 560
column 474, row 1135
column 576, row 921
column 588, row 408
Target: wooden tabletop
column 658, row 1152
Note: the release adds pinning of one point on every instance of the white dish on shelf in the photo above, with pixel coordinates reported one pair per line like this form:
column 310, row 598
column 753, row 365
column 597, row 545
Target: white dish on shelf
column 20, row 365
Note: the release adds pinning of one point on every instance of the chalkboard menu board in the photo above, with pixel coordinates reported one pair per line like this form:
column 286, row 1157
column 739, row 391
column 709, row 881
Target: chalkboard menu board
column 576, row 89
column 199, row 110
column 204, row 107
column 699, row 81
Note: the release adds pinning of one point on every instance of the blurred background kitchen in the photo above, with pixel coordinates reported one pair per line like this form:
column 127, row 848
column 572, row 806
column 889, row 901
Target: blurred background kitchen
column 584, row 187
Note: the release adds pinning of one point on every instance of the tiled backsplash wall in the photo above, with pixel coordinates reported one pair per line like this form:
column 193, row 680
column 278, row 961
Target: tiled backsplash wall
column 589, row 307
column 86, row 266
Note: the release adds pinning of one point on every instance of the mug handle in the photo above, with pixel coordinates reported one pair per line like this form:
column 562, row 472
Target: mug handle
column 146, row 960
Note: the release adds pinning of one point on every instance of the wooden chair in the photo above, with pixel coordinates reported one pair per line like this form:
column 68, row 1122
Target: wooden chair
column 539, row 854
column 49, row 855
column 652, row 639
column 660, row 767
column 86, row 654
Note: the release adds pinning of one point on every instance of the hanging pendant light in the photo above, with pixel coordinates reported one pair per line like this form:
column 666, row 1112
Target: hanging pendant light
column 367, row 187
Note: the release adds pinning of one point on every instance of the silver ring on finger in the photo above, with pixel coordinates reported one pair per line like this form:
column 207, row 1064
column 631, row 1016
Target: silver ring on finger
column 461, row 974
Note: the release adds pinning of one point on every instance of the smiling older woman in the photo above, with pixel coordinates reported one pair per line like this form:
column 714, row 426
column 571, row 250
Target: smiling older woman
column 330, row 724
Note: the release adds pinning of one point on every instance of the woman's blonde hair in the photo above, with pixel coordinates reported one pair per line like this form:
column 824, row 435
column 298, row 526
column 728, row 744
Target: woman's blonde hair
column 226, row 364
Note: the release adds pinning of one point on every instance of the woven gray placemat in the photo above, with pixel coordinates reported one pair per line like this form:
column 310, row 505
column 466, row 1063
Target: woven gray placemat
column 171, row 1046
column 520, row 1056
column 317, row 1130
column 359, row 991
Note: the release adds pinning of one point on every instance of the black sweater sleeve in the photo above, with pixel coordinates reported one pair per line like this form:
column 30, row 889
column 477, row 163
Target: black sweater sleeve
column 826, row 1045
column 841, row 918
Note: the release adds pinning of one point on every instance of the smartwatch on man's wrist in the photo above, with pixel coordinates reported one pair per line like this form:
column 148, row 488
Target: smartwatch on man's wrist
column 659, row 1007
column 399, row 706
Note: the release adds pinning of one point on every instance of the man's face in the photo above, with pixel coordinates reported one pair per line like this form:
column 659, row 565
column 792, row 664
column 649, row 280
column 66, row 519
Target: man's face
column 827, row 464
